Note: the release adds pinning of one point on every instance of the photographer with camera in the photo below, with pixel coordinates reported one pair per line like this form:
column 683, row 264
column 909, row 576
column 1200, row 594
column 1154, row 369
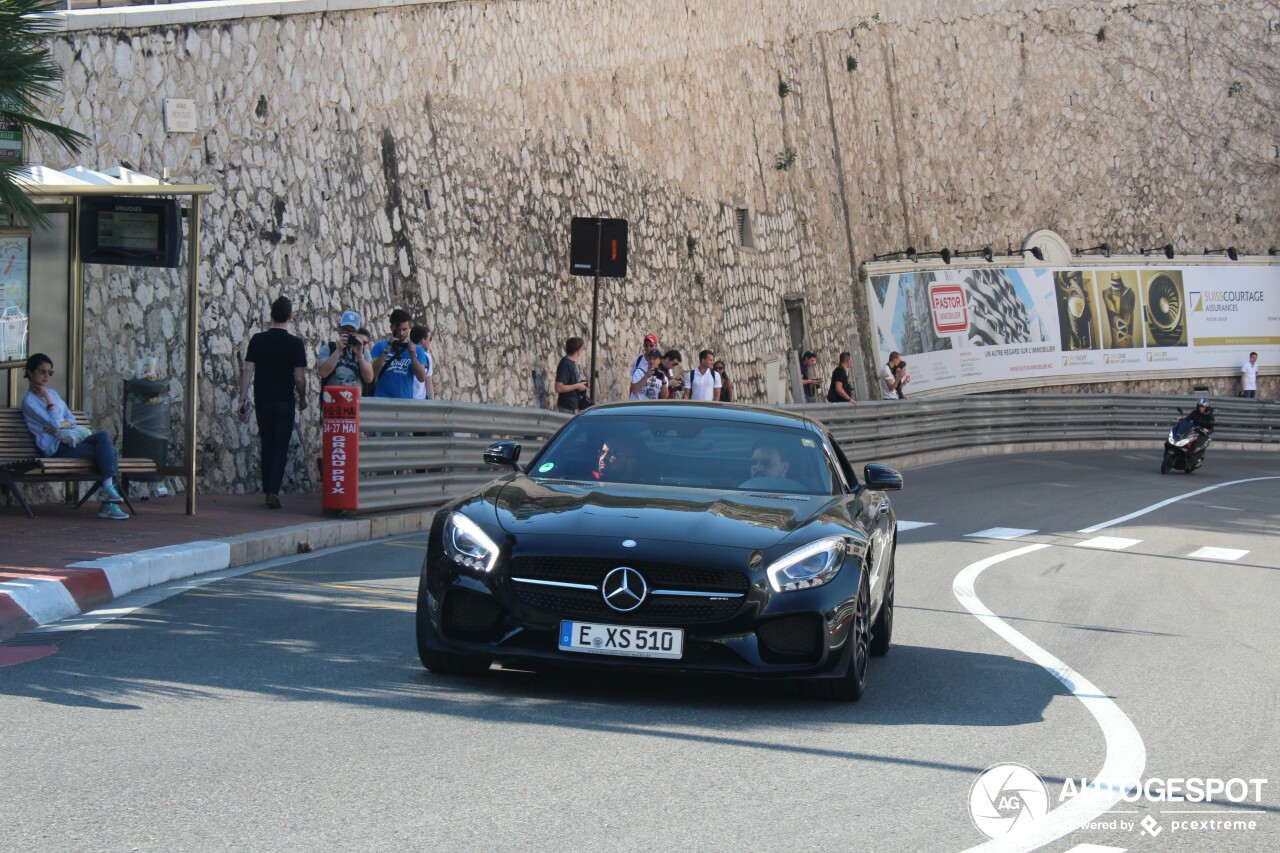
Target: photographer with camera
column 650, row 382
column 346, row 360
column 397, row 362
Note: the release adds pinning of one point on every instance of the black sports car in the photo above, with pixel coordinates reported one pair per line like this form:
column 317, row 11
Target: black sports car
column 669, row 536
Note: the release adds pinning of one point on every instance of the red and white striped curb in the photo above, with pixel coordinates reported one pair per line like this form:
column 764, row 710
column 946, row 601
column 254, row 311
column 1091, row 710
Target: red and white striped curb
column 40, row 599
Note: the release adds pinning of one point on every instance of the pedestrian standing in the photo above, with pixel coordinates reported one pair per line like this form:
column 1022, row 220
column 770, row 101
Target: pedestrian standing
column 275, row 364
column 571, row 388
column 726, row 384
column 396, row 361
column 345, row 361
column 841, row 391
column 649, row 382
column 650, row 343
column 703, row 382
column 809, row 376
column 889, row 377
column 423, row 388
column 1249, row 377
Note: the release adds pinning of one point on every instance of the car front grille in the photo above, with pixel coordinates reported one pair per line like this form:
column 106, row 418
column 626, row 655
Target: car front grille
column 657, row 609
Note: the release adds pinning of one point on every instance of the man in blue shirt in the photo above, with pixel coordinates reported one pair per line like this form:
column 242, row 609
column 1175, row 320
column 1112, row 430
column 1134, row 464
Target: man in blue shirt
column 396, row 361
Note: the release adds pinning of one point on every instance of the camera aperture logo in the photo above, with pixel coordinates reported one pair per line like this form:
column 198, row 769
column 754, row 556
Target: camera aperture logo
column 1006, row 798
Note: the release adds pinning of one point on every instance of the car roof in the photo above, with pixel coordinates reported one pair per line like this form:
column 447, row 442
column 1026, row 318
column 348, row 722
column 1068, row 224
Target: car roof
column 732, row 412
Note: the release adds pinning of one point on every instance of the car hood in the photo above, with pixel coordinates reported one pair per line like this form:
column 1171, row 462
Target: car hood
column 736, row 519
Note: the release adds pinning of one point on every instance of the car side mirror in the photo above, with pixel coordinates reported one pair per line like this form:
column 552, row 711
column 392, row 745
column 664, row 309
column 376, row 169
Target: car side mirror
column 503, row 453
column 882, row 478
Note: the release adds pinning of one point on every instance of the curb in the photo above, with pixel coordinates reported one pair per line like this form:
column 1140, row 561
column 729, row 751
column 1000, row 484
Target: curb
column 48, row 597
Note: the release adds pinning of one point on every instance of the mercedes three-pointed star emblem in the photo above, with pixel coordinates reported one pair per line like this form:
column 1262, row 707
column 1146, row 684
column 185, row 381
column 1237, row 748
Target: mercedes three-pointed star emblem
column 624, row 589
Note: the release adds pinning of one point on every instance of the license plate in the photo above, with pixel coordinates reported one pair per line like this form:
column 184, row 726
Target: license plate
column 626, row 640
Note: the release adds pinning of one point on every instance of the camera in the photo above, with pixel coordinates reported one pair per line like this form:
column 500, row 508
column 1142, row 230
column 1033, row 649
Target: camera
column 397, row 347
column 354, row 342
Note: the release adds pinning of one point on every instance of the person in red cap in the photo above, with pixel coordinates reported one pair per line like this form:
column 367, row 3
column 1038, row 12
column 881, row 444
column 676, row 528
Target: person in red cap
column 650, row 342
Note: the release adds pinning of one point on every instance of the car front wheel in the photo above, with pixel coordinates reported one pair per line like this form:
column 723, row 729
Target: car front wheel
column 882, row 628
column 851, row 687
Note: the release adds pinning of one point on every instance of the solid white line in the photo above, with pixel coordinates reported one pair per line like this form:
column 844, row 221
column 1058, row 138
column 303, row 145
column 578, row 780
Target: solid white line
column 912, row 525
column 1126, row 754
column 1122, row 519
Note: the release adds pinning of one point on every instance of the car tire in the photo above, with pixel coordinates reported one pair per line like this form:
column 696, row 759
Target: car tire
column 851, row 687
column 439, row 662
column 882, row 628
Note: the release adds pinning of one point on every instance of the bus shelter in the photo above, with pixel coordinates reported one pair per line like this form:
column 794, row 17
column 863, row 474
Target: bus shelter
column 42, row 274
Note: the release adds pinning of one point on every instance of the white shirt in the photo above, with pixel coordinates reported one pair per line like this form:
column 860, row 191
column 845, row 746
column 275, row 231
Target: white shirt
column 704, row 385
column 1250, row 373
column 420, row 388
column 652, row 389
column 886, row 377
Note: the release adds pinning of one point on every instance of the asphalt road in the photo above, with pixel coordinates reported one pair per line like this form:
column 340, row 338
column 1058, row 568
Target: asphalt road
column 285, row 709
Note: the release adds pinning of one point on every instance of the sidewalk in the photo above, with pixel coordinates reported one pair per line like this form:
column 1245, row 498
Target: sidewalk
column 67, row 561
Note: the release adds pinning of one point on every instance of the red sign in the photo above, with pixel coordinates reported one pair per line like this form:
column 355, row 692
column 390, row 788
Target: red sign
column 341, row 461
column 950, row 314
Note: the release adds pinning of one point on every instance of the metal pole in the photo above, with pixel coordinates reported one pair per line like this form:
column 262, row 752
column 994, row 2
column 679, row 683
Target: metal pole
column 193, row 346
column 595, row 309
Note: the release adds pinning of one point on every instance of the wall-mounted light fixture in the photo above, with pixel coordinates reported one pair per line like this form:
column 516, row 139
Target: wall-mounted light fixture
column 985, row 251
column 909, row 252
column 1035, row 252
column 1167, row 249
column 1273, row 251
column 945, row 254
column 1104, row 248
column 1230, row 252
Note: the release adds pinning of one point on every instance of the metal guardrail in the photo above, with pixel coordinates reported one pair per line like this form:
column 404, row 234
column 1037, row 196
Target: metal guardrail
column 415, row 454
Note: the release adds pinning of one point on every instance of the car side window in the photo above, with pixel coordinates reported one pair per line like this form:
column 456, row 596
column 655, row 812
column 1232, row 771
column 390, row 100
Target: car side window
column 846, row 469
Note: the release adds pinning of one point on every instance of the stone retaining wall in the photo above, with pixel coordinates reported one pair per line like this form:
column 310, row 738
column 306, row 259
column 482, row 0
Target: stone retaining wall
column 430, row 155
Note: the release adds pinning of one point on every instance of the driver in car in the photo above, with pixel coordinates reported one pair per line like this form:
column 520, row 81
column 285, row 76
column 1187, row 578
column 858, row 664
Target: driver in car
column 769, row 469
column 618, row 459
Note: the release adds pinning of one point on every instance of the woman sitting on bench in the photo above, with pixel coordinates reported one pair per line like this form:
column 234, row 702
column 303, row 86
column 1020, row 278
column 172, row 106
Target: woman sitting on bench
column 57, row 434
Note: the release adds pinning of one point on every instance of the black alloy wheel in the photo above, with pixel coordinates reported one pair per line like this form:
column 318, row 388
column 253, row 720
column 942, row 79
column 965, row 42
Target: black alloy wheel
column 882, row 628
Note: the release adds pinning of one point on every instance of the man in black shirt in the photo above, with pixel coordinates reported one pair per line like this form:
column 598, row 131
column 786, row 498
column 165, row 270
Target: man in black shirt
column 809, row 377
column 841, row 391
column 571, row 388
column 275, row 363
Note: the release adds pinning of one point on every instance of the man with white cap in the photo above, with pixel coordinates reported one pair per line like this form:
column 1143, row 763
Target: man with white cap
column 346, row 360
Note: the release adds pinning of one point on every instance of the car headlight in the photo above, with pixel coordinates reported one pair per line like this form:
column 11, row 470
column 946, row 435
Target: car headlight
column 807, row 567
column 466, row 543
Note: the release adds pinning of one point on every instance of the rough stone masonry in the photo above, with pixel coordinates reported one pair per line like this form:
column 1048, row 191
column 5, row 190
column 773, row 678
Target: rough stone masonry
column 430, row 155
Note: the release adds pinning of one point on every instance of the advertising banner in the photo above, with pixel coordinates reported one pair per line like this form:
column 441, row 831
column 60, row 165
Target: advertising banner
column 341, row 460
column 957, row 327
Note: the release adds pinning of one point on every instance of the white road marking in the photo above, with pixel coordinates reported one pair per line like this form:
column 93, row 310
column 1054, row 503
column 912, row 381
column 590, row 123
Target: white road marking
column 912, row 525
column 1001, row 533
column 1126, row 753
column 1122, row 519
column 1108, row 543
column 1211, row 553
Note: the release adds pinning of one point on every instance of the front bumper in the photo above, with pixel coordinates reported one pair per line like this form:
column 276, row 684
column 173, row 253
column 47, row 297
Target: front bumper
column 750, row 630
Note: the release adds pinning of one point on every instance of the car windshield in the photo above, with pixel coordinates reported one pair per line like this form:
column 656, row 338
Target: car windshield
column 686, row 452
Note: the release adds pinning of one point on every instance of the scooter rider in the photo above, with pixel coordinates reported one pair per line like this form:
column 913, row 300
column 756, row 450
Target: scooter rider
column 1202, row 415
column 1202, row 418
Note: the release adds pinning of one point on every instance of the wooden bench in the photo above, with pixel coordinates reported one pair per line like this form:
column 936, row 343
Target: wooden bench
column 21, row 462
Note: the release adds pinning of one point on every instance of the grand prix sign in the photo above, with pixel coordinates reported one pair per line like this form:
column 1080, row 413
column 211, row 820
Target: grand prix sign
column 341, row 460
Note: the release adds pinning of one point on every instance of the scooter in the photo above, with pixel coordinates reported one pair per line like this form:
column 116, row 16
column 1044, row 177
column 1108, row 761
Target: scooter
column 1185, row 447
